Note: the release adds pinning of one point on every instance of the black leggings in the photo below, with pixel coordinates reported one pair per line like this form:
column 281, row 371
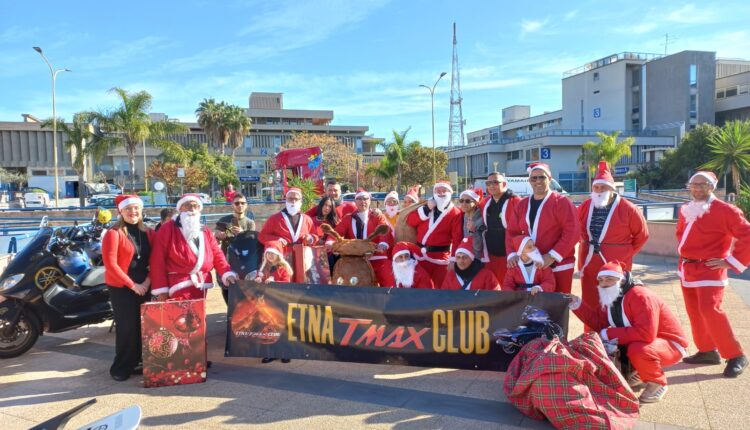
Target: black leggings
column 126, row 305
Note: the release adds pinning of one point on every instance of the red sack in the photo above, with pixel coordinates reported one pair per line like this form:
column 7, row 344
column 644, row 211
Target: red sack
column 574, row 386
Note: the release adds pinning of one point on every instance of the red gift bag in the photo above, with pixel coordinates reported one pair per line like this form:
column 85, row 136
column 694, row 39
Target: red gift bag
column 310, row 264
column 174, row 342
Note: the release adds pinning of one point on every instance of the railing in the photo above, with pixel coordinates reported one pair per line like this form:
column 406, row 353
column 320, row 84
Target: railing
column 639, row 56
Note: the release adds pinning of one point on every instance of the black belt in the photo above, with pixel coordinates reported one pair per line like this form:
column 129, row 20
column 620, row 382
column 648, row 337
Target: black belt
column 445, row 248
column 689, row 260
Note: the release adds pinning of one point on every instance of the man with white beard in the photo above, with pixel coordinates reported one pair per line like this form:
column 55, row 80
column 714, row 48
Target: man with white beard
column 184, row 253
column 529, row 275
column 706, row 228
column 632, row 316
column 612, row 228
column 289, row 226
column 406, row 269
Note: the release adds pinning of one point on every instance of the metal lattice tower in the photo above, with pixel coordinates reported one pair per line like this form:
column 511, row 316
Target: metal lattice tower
column 456, row 124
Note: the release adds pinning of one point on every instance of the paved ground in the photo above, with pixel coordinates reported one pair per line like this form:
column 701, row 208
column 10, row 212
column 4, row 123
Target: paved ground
column 66, row 369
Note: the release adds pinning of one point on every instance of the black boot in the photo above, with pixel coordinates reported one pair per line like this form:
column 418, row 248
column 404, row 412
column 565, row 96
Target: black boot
column 735, row 366
column 285, row 360
column 708, row 357
column 267, row 360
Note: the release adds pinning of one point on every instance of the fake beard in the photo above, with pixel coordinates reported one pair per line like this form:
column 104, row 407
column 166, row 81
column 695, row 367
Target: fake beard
column 404, row 272
column 190, row 225
column 694, row 210
column 441, row 202
column 293, row 208
column 599, row 200
column 391, row 210
column 608, row 295
column 535, row 256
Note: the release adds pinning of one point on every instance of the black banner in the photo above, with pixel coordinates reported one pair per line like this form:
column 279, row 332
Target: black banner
column 432, row 328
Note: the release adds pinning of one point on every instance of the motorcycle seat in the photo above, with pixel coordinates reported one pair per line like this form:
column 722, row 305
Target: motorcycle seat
column 94, row 277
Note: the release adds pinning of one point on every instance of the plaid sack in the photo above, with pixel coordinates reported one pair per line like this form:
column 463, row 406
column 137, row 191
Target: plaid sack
column 574, row 386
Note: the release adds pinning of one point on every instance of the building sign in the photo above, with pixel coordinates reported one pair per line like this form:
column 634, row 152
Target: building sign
column 545, row 153
column 180, row 172
column 249, row 178
column 631, row 188
column 597, row 112
column 621, row 170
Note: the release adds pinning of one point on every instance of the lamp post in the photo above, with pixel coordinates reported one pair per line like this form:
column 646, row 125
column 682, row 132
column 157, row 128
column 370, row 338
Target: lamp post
column 54, row 73
column 432, row 104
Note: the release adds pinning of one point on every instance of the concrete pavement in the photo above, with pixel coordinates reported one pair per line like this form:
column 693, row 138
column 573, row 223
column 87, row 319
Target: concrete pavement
column 66, row 369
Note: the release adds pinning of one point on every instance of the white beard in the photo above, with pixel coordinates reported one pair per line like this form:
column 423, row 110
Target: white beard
column 442, row 202
column 404, row 272
column 391, row 210
column 608, row 295
column 600, row 200
column 190, row 225
column 535, row 256
column 694, row 210
column 293, row 208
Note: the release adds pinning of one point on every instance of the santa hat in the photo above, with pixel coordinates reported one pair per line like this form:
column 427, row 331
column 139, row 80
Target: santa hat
column 613, row 268
column 710, row 176
column 392, row 194
column 604, row 175
column 519, row 242
column 475, row 194
column 539, row 166
column 275, row 247
column 406, row 248
column 467, row 247
column 413, row 194
column 442, row 183
column 190, row 197
column 293, row 190
column 361, row 192
column 124, row 200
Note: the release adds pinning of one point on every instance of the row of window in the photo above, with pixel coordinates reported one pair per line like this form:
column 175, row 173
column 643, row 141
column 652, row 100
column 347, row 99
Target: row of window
column 732, row 91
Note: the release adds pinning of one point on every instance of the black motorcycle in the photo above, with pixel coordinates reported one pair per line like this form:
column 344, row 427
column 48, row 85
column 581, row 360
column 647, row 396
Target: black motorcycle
column 537, row 325
column 50, row 286
column 244, row 255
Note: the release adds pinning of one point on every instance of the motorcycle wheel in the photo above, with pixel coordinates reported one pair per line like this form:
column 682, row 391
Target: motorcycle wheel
column 18, row 338
column 510, row 348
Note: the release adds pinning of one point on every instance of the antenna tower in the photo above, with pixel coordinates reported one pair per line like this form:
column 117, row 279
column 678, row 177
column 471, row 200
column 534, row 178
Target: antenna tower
column 456, row 124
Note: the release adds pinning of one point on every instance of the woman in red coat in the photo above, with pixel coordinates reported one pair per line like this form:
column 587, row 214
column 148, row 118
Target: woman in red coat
column 126, row 249
column 468, row 272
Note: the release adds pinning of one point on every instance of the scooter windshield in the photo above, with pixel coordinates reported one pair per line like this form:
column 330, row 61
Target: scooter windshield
column 20, row 262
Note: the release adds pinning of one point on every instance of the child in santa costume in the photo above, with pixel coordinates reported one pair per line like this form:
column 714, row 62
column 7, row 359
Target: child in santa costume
column 713, row 236
column 529, row 275
column 550, row 219
column 184, row 253
column 438, row 225
column 472, row 222
column 411, row 197
column 274, row 267
column 631, row 315
column 289, row 226
column 468, row 272
column 612, row 228
column 406, row 269
column 359, row 225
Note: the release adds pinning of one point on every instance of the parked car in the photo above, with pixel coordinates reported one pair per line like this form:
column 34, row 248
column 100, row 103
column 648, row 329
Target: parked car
column 114, row 189
column 96, row 198
column 106, row 202
column 35, row 197
column 379, row 196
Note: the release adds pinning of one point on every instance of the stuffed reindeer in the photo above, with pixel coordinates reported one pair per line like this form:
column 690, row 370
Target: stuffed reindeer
column 353, row 268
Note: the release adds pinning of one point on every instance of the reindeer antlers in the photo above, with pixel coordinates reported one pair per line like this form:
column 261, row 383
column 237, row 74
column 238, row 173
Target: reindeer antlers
column 327, row 229
column 379, row 230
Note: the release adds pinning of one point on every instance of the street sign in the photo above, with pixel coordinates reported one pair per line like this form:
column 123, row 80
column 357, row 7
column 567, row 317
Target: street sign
column 180, row 172
column 545, row 153
column 621, row 170
column 263, row 151
column 249, row 178
column 158, row 185
column 597, row 112
column 630, row 188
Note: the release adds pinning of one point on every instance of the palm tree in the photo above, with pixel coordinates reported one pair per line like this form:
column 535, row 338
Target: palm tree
column 394, row 154
column 239, row 125
column 130, row 125
column 383, row 170
column 209, row 117
column 730, row 146
column 607, row 149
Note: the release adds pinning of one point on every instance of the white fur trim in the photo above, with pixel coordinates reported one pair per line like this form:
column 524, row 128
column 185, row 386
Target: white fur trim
column 292, row 232
column 603, row 182
column 563, row 268
column 425, row 257
column 705, row 175
column 465, row 251
column 392, row 194
column 228, row 274
column 736, row 264
column 293, row 191
column 442, row 185
column 130, row 201
column 474, row 196
column 523, row 245
column 157, row 291
column 555, row 255
column 602, row 235
column 603, row 334
column 402, row 252
column 542, row 168
column 362, row 193
column 610, row 273
column 716, row 283
column 384, row 244
column 533, row 229
column 274, row 251
column 186, row 199
column 421, row 214
column 433, row 223
column 378, row 257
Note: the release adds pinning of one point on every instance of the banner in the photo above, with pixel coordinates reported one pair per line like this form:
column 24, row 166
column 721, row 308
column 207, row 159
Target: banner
column 433, row 328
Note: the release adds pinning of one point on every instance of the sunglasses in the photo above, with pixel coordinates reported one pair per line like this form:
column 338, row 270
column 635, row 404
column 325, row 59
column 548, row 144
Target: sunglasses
column 467, row 201
column 537, row 178
column 492, row 182
column 240, row 203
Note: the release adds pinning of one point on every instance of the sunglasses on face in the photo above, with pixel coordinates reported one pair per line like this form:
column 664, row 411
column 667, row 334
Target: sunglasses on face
column 537, row 178
column 466, row 201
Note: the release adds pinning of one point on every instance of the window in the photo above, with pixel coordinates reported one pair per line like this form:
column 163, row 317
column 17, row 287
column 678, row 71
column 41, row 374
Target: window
column 693, row 106
column 573, row 181
column 744, row 89
column 596, row 92
column 720, row 94
column 248, row 143
column 596, row 76
column 532, row 154
column 731, row 92
column 514, row 155
column 693, row 76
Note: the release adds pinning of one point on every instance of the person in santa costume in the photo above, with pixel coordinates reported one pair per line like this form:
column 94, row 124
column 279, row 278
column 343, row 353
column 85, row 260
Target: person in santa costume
column 274, row 267
column 472, row 222
column 706, row 230
column 411, row 197
column 391, row 206
column 184, row 253
column 289, row 226
column 359, row 225
column 497, row 208
column 550, row 219
column 333, row 190
column 612, row 228
column 438, row 225
column 631, row 315
column 406, row 269
column 468, row 273
column 529, row 275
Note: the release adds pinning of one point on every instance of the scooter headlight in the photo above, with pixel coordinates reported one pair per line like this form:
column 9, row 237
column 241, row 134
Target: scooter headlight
column 10, row 282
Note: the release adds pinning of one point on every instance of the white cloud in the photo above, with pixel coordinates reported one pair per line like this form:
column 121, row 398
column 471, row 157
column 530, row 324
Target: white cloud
column 570, row 15
column 532, row 25
column 689, row 14
column 643, row 27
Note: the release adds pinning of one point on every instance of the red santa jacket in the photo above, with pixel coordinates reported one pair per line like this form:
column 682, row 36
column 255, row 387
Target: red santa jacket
column 278, row 226
column 555, row 231
column 645, row 317
column 277, row 274
column 710, row 236
column 421, row 280
column 177, row 264
column 117, row 254
column 484, row 280
column 623, row 235
column 443, row 232
column 347, row 228
column 517, row 276
column 343, row 208
column 506, row 212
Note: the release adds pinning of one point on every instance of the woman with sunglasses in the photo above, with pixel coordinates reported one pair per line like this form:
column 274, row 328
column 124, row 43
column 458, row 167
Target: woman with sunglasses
column 473, row 223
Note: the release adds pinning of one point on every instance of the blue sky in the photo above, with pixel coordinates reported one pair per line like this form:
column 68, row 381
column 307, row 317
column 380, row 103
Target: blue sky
column 364, row 59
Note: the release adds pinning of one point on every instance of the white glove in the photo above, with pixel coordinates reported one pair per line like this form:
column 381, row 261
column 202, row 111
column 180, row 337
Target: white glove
column 574, row 302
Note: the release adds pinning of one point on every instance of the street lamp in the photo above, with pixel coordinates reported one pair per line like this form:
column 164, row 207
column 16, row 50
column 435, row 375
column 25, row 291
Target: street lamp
column 54, row 73
column 432, row 104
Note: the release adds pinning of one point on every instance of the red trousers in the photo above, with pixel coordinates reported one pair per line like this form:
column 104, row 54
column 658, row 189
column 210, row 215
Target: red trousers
column 437, row 272
column 564, row 281
column 650, row 359
column 498, row 266
column 383, row 272
column 710, row 325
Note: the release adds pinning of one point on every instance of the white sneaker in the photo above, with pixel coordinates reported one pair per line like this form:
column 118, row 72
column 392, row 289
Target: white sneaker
column 653, row 393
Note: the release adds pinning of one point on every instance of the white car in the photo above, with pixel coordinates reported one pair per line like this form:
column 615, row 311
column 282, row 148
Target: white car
column 36, row 198
column 205, row 198
column 96, row 198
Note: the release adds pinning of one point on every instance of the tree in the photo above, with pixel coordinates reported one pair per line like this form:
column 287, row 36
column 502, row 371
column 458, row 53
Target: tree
column 418, row 164
column 10, row 177
column 209, row 117
column 380, row 174
column 239, row 125
column 130, row 125
column 730, row 151
column 394, row 156
column 607, row 149
column 195, row 177
column 339, row 159
column 309, row 191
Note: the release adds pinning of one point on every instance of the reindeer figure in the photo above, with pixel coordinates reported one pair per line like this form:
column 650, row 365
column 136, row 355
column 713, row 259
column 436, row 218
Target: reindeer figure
column 353, row 268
